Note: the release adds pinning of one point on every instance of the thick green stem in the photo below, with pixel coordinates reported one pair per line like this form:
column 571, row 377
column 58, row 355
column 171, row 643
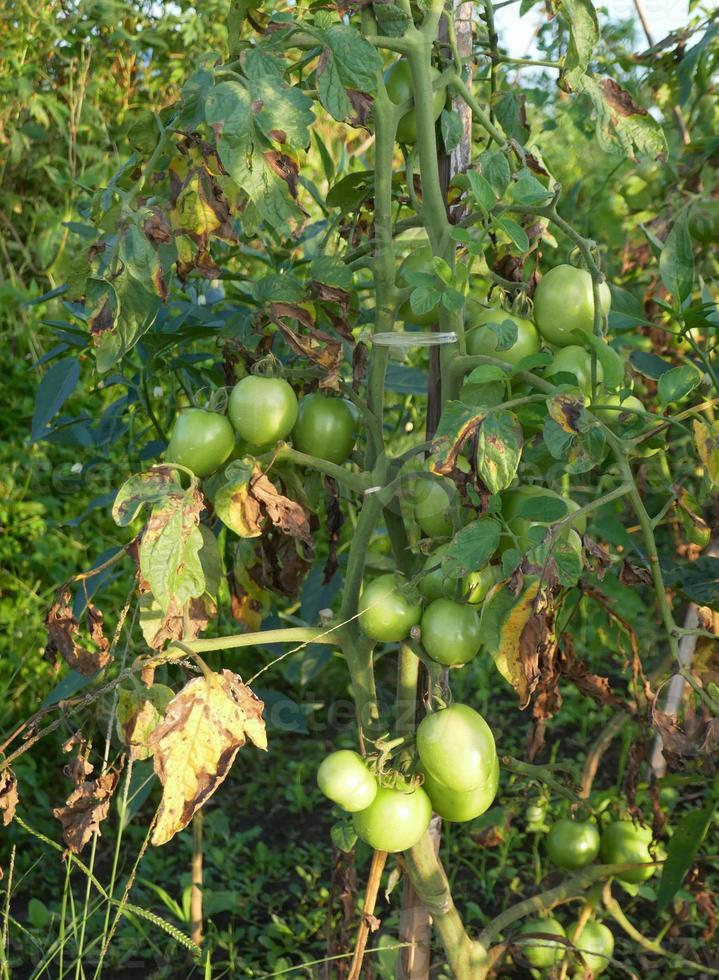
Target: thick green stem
column 467, row 959
column 293, row 634
column 354, row 481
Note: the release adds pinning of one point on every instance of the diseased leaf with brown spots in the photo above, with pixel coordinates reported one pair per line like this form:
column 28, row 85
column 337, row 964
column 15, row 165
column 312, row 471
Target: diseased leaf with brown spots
column 592, row 685
column 566, row 411
column 515, row 635
column 360, row 359
column 170, row 550
column 176, row 623
column 320, row 347
column 706, row 439
column 139, row 712
column 287, row 515
column 619, row 100
column 9, row 798
column 499, row 449
column 85, row 808
column 457, row 426
column 63, row 637
column 235, row 505
column 205, row 726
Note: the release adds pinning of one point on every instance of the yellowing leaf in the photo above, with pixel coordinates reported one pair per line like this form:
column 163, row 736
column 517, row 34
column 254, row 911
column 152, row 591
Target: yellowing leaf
column 512, row 629
column 205, row 726
column 706, row 438
column 139, row 712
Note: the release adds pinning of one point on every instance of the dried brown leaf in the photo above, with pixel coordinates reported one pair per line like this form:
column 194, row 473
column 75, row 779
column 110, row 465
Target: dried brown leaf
column 63, row 632
column 9, row 798
column 205, row 726
column 85, row 808
column 290, row 517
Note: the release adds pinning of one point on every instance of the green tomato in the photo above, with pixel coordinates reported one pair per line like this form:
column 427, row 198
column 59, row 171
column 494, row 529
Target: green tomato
column 596, row 945
column 704, row 222
column 202, row 441
column 624, row 842
column 542, row 953
column 435, row 583
column 435, row 500
column 262, row 410
column 482, row 339
column 456, row 748
column 572, row 844
column 477, row 584
column 345, row 779
column 450, row 632
column 578, row 362
column 564, row 302
column 420, row 260
column 385, row 614
column 395, row 820
column 400, row 88
column 325, row 428
column 624, row 415
column 459, row 806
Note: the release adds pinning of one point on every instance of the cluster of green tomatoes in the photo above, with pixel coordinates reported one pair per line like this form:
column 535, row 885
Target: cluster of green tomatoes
column 261, row 411
column 455, row 774
column 573, row 845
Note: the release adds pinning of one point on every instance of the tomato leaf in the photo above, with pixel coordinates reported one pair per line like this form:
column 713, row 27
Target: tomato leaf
column 57, row 384
column 676, row 262
column 204, row 727
column 683, row 846
column 583, row 36
column 706, row 440
column 485, row 373
column 678, row 383
column 482, row 190
column 516, row 234
column 503, row 622
column 649, row 365
column 343, row 835
column 358, row 61
column 450, row 124
column 472, row 547
column 697, row 580
column 495, row 167
column 499, row 450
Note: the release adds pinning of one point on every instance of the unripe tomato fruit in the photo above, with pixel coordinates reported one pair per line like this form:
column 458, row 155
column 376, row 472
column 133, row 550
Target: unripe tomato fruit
column 564, row 301
column 704, row 222
column 434, row 501
column 262, row 410
column 325, row 428
column 542, row 953
column 572, row 844
column 624, row 842
column 596, row 943
column 450, row 632
column 345, row 779
column 477, row 584
column 459, row 806
column 398, row 79
column 420, row 260
column 481, row 339
column 385, row 614
column 202, row 441
column 395, row 820
column 577, row 361
column 456, row 748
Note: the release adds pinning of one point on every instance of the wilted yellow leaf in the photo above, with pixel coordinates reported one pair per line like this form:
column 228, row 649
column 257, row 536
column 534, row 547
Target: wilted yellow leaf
column 204, row 727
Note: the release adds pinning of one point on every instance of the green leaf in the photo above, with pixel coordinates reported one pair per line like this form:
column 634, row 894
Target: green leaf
column 544, row 509
column 57, row 384
column 343, row 836
column 506, row 333
column 485, row 373
column 514, row 232
column 281, row 111
column 649, row 365
column 170, row 552
column 277, row 288
column 330, row 90
column 351, row 191
column 423, row 299
column 499, row 449
column 697, row 581
column 583, row 36
column 451, row 127
column 568, row 563
column 495, row 167
column 482, row 191
column 528, row 190
column 331, row 271
column 509, row 108
column 678, row 383
column 676, row 262
column 683, row 847
column 391, row 19
column 358, row 62
column 472, row 547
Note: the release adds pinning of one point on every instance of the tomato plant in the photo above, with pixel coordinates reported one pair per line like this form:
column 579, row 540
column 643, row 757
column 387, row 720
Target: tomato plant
column 322, row 183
